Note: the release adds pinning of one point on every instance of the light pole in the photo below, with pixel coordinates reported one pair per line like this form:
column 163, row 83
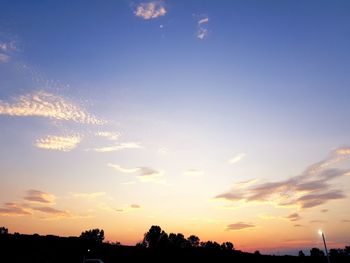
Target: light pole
column 325, row 246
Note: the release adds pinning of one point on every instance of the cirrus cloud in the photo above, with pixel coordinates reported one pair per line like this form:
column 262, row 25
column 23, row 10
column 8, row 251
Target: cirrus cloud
column 202, row 30
column 239, row 226
column 118, row 147
column 144, row 174
column 237, row 158
column 59, row 143
column 48, row 105
column 51, row 211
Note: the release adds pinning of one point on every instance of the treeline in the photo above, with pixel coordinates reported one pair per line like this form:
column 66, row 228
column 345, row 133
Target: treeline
column 156, row 246
column 157, row 238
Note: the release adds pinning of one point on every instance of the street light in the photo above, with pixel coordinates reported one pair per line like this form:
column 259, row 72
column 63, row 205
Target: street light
column 325, row 246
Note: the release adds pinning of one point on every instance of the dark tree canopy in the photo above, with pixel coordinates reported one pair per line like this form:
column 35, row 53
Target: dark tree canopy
column 95, row 235
column 316, row 252
column 153, row 236
column 3, row 230
column 158, row 238
column 227, row 246
column 194, row 241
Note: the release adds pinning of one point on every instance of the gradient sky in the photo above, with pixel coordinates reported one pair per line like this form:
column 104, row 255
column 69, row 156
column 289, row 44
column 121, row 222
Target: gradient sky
column 224, row 119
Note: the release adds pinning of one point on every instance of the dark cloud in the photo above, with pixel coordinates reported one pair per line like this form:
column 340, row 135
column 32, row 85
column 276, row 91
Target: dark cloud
column 51, row 211
column 239, row 226
column 312, row 200
column 294, row 217
column 135, row 206
column 317, row 221
column 311, row 188
column 39, row 196
column 14, row 209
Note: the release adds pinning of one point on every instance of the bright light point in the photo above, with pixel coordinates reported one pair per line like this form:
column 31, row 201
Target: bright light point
column 320, row 232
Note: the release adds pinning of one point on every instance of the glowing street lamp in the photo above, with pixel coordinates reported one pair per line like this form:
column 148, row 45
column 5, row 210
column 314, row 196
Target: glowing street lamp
column 325, row 246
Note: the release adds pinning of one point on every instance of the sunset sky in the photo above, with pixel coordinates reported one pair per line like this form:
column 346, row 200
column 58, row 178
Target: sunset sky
column 225, row 119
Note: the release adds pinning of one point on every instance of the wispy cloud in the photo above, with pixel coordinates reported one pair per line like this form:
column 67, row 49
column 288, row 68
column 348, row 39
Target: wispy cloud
column 202, row 31
column 38, row 204
column 13, row 209
column 128, row 208
column 149, row 174
column 311, row 188
column 94, row 195
column 150, row 10
column 324, row 210
column 5, row 49
column 239, row 226
column 59, row 143
column 239, row 157
column 51, row 211
column 39, row 197
column 44, row 104
column 4, row 58
column 294, row 217
column 144, row 174
column 118, row 147
column 113, row 136
column 193, row 172
column 123, row 169
column 317, row 221
column 7, row 46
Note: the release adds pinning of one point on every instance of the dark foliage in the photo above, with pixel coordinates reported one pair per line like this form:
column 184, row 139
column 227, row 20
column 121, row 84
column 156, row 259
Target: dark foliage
column 93, row 235
column 53, row 249
column 3, row 231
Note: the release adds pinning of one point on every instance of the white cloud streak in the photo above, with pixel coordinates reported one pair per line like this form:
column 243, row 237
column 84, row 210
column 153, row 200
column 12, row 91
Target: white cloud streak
column 239, row 157
column 58, row 143
column 194, row 173
column 118, row 147
column 144, row 174
column 44, row 104
column 202, row 31
column 113, row 136
column 150, row 10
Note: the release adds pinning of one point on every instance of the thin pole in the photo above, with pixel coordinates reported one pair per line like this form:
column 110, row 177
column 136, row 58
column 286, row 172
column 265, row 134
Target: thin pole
column 325, row 247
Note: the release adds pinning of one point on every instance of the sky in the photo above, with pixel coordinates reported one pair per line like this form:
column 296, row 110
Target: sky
column 224, row 119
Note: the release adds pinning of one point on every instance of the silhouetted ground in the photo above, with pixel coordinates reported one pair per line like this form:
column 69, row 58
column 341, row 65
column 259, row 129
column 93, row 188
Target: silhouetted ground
column 52, row 249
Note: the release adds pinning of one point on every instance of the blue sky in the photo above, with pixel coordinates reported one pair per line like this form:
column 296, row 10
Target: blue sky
column 174, row 89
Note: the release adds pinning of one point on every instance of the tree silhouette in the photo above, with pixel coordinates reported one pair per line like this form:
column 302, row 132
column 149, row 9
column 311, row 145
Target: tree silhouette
column 153, row 236
column 3, row 230
column 347, row 250
column 301, row 253
column 211, row 245
column 193, row 240
column 316, row 252
column 95, row 235
column 227, row 246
